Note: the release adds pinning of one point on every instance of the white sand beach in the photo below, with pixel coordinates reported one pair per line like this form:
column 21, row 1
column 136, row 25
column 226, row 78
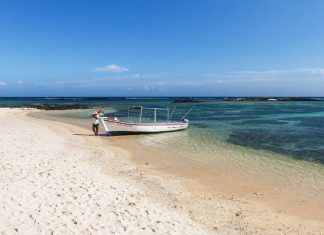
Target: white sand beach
column 56, row 178
column 46, row 187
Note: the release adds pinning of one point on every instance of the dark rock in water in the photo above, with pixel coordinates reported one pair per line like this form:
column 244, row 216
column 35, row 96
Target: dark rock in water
column 186, row 100
column 52, row 106
column 136, row 107
column 250, row 99
column 298, row 99
column 58, row 106
column 271, row 99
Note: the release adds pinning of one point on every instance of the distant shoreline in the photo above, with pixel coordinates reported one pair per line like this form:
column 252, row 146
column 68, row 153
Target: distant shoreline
column 150, row 97
column 271, row 99
column 66, row 103
column 49, row 106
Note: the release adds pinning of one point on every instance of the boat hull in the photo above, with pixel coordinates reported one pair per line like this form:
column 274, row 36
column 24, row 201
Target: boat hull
column 123, row 127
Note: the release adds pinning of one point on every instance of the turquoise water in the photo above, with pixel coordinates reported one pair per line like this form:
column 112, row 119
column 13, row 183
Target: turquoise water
column 294, row 130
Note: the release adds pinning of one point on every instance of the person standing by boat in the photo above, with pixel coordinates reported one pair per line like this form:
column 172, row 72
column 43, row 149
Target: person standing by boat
column 95, row 123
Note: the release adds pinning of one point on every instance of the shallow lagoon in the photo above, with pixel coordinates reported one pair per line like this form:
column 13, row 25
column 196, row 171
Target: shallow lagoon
column 293, row 129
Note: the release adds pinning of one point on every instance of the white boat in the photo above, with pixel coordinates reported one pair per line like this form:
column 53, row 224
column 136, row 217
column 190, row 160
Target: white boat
column 113, row 124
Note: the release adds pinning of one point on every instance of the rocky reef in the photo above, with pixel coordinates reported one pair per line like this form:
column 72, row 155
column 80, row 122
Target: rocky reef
column 271, row 99
column 50, row 106
column 186, row 100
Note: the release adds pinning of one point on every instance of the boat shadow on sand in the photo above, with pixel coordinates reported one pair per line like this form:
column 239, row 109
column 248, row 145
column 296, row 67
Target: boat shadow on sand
column 117, row 133
column 83, row 134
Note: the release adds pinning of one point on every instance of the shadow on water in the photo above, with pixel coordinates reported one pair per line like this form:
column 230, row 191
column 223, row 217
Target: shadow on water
column 307, row 146
column 315, row 122
column 261, row 122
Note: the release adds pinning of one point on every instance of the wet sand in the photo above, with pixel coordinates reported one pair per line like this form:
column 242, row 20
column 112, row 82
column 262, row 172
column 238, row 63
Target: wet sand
column 210, row 193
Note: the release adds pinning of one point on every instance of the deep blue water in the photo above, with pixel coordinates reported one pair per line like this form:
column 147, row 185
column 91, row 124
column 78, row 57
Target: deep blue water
column 294, row 129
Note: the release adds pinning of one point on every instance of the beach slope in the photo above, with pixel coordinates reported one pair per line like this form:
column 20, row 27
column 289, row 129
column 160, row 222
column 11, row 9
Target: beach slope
column 47, row 187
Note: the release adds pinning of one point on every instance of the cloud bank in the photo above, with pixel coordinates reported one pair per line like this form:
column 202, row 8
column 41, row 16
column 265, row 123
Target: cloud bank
column 275, row 82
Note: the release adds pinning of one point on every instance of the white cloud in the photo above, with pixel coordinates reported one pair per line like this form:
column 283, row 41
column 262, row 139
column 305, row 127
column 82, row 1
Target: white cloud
column 148, row 82
column 263, row 75
column 317, row 71
column 113, row 68
column 20, row 82
column 2, row 83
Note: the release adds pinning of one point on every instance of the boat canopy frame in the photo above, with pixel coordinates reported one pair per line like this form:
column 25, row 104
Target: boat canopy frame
column 141, row 108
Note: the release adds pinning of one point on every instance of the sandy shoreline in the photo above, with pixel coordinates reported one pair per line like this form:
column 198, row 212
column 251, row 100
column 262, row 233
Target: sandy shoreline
column 84, row 163
column 48, row 188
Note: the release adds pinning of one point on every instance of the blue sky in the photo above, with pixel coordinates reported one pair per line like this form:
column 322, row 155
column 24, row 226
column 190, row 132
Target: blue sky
column 161, row 48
